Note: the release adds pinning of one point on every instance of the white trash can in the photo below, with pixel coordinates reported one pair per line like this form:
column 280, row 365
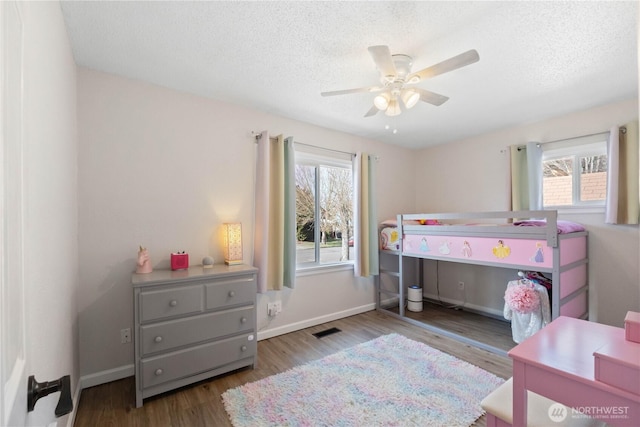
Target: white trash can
column 414, row 298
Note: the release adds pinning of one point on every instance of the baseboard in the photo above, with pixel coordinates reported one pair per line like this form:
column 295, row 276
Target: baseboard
column 471, row 307
column 491, row 312
column 107, row 376
column 388, row 302
column 292, row 327
column 76, row 399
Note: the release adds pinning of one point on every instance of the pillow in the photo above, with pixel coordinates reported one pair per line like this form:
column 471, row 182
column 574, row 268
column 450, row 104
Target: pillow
column 394, row 223
column 564, row 227
column 389, row 239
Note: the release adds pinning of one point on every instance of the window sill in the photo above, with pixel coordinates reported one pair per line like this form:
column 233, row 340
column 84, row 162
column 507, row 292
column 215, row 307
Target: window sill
column 568, row 210
column 322, row 269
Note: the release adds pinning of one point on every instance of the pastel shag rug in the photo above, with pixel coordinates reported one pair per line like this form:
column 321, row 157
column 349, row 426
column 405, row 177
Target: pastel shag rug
column 389, row 381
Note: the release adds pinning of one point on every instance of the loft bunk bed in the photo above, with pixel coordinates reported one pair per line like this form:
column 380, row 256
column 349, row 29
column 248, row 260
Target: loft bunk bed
column 519, row 240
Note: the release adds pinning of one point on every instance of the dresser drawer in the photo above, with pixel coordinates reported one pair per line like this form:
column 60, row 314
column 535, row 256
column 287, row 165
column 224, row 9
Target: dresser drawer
column 240, row 290
column 196, row 329
column 195, row 360
column 170, row 302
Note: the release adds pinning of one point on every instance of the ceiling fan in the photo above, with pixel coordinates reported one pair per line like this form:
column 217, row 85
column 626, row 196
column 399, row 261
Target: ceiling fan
column 398, row 81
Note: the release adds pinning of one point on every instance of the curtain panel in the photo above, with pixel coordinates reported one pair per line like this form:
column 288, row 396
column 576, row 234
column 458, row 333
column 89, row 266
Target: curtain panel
column 366, row 228
column 519, row 180
column 623, row 187
column 274, row 238
column 526, row 177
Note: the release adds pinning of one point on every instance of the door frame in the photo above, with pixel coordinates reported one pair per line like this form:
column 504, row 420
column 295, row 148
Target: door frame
column 13, row 348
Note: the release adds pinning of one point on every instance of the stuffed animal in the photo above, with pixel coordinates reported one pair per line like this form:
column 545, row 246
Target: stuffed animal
column 144, row 262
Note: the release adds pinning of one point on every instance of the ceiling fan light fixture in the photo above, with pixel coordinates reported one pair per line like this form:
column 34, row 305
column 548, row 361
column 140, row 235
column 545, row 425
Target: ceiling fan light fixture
column 410, row 97
column 393, row 109
column 381, row 101
column 395, row 74
column 388, row 79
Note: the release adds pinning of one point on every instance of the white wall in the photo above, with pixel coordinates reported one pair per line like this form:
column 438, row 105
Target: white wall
column 473, row 175
column 165, row 169
column 51, row 204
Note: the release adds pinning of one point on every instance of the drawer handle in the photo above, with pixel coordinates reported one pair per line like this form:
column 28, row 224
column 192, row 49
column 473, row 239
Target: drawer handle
column 158, row 339
column 159, row 372
column 243, row 348
column 243, row 320
column 232, row 294
column 173, row 303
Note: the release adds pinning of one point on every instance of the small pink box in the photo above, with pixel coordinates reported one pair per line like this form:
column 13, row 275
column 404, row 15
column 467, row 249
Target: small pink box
column 179, row 261
column 632, row 326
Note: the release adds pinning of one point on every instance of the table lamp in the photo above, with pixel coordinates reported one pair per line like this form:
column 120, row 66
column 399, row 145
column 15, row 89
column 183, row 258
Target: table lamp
column 232, row 241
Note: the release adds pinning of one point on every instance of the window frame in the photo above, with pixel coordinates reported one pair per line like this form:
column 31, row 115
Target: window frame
column 577, row 149
column 318, row 157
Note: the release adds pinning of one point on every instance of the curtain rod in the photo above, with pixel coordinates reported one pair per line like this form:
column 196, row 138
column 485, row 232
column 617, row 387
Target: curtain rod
column 524, row 147
column 581, row 136
column 327, row 149
column 258, row 134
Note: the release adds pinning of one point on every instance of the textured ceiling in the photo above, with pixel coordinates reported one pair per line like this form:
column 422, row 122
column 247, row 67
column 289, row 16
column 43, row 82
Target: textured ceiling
column 537, row 59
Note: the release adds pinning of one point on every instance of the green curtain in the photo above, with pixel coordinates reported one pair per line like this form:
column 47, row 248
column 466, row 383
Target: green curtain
column 526, row 177
column 519, row 180
column 289, row 245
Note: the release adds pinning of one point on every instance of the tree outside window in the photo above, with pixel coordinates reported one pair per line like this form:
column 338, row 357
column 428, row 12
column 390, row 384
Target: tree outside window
column 324, row 213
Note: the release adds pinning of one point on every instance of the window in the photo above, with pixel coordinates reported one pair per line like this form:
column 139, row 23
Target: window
column 575, row 172
column 324, row 207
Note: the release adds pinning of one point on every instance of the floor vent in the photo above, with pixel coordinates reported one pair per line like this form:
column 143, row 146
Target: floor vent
column 326, row 332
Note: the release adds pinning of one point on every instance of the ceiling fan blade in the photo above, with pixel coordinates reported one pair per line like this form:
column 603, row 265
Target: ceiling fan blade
column 356, row 90
column 431, row 97
column 372, row 112
column 469, row 57
column 382, row 57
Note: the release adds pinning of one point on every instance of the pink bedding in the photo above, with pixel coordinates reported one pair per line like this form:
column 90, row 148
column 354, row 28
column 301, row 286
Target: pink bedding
column 564, row 227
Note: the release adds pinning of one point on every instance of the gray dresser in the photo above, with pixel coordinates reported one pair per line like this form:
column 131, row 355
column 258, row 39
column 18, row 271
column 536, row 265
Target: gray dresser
column 191, row 325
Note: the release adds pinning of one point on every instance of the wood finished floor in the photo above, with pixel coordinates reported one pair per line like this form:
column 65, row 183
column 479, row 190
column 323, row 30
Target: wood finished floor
column 113, row 404
column 485, row 329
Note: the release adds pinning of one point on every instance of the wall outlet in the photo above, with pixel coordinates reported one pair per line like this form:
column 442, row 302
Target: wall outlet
column 125, row 335
column 274, row 308
column 461, row 286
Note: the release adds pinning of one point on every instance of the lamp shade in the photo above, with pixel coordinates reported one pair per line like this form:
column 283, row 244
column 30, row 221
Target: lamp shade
column 410, row 97
column 381, row 101
column 394, row 108
column 232, row 241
